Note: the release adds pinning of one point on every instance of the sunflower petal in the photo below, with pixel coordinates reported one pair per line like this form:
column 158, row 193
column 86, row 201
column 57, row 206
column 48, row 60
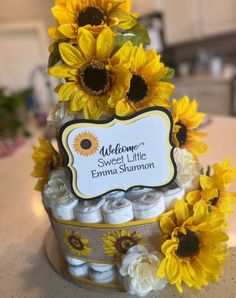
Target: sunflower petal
column 68, row 30
column 167, row 225
column 181, row 212
column 70, row 55
column 200, row 211
column 123, row 108
column 66, row 91
column 87, row 43
column 62, row 71
column 105, row 44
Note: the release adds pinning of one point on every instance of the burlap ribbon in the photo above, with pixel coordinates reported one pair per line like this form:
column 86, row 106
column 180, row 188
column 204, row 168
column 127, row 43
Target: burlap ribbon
column 88, row 241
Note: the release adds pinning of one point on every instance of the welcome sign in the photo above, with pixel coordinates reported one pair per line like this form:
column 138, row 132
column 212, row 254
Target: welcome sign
column 119, row 153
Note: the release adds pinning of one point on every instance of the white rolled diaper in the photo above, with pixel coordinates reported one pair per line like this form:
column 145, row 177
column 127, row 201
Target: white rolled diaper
column 117, row 211
column 101, row 267
column 114, row 195
column 149, row 205
column 65, row 210
column 80, row 271
column 137, row 192
column 109, row 276
column 74, row 262
column 171, row 196
column 89, row 211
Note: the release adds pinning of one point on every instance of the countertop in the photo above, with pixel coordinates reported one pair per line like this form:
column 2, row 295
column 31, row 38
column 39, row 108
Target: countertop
column 24, row 268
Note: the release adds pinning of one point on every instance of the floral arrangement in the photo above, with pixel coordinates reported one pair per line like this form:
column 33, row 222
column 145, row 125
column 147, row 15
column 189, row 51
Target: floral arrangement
column 99, row 52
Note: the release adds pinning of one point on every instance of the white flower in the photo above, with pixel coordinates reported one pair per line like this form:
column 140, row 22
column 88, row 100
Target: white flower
column 188, row 169
column 139, row 271
column 57, row 190
column 59, row 115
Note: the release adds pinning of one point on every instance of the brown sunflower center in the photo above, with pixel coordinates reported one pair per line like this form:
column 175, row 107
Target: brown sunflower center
column 91, row 15
column 86, row 144
column 138, row 89
column 76, row 243
column 215, row 200
column 182, row 133
column 95, row 79
column 123, row 244
column 189, row 245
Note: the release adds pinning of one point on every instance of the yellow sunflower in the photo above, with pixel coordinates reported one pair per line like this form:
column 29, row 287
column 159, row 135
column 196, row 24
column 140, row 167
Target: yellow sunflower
column 86, row 144
column 145, row 87
column 93, row 15
column 89, row 82
column 213, row 189
column 116, row 244
column 196, row 246
column 77, row 244
column 186, row 121
column 46, row 158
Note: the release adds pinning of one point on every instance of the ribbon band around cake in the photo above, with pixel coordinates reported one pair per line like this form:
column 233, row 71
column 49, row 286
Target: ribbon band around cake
column 105, row 243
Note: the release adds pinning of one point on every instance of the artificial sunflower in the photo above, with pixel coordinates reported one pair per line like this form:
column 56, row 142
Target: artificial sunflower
column 196, row 246
column 213, row 189
column 186, row 120
column 86, row 144
column 46, row 159
column 146, row 86
column 77, row 244
column 89, row 82
column 116, row 244
column 93, row 15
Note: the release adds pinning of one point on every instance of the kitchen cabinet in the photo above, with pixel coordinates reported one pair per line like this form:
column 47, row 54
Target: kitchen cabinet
column 214, row 95
column 179, row 21
column 191, row 20
column 145, row 7
column 218, row 16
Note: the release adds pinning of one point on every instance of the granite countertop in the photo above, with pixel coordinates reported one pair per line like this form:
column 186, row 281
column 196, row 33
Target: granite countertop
column 24, row 269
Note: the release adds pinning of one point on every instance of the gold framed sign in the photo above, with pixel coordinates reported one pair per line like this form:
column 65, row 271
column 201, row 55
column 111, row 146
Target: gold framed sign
column 119, row 153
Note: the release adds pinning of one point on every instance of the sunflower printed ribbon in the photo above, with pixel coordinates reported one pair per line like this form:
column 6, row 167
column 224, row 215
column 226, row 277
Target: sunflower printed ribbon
column 103, row 243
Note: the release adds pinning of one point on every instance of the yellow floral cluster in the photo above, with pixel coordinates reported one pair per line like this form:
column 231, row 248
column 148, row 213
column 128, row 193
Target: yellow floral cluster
column 46, row 159
column 195, row 247
column 103, row 75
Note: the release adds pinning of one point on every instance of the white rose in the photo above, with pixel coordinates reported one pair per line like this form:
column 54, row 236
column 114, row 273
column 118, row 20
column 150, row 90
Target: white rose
column 59, row 115
column 58, row 189
column 139, row 271
column 188, row 169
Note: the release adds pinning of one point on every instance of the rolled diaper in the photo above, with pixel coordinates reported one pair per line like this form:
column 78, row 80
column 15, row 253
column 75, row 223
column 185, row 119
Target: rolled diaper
column 137, row 192
column 101, row 267
column 149, row 205
column 109, row 276
column 79, row 271
column 65, row 210
column 74, row 262
column 114, row 195
column 117, row 211
column 171, row 196
column 89, row 211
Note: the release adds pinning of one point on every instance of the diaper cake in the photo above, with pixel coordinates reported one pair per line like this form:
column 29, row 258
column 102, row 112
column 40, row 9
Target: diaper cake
column 131, row 207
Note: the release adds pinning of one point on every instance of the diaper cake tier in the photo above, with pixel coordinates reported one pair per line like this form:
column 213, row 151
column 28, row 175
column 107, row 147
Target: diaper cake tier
column 130, row 205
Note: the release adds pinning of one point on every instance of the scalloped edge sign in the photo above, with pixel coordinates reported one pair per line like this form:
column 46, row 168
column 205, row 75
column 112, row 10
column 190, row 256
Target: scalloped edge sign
column 119, row 153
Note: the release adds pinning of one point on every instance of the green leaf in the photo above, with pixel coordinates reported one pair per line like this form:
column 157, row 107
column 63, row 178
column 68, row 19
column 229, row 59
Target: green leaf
column 137, row 35
column 121, row 39
column 141, row 32
column 169, row 75
column 55, row 56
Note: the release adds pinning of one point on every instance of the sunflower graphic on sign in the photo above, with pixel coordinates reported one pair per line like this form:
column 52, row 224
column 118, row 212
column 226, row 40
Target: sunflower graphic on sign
column 86, row 144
